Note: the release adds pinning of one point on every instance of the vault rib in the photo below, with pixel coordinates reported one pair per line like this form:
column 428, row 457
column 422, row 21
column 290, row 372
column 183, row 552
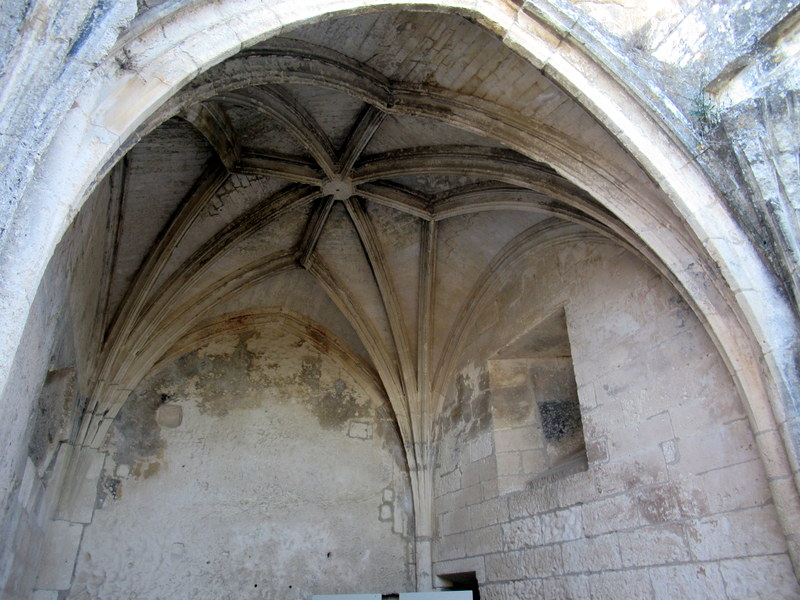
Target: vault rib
column 293, row 61
column 425, row 330
column 241, row 228
column 323, row 339
column 118, row 178
column 144, row 319
column 491, row 195
column 500, row 165
column 146, row 351
column 278, row 104
column 313, row 231
column 291, row 168
column 546, row 233
column 142, row 284
column 401, row 199
column 367, row 124
column 211, row 120
column 296, row 62
column 365, row 330
column 386, row 287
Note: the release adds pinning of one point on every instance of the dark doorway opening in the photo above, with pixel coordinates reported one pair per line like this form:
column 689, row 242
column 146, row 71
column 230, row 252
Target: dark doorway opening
column 462, row 582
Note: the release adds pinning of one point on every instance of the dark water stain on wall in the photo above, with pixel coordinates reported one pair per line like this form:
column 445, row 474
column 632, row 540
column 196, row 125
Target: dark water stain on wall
column 238, row 378
column 137, row 435
column 337, row 406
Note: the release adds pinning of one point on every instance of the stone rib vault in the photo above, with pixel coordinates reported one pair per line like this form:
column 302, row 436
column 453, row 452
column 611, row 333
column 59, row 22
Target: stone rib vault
column 382, row 298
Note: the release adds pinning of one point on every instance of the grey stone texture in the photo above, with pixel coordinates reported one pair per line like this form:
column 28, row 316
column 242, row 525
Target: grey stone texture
column 314, row 297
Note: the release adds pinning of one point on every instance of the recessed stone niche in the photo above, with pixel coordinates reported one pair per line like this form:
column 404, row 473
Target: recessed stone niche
column 538, row 433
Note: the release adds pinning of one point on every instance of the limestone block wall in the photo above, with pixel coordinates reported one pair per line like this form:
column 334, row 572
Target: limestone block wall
column 53, row 367
column 252, row 467
column 674, row 501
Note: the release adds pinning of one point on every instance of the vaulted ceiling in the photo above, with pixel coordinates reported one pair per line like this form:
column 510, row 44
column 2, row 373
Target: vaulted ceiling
column 359, row 177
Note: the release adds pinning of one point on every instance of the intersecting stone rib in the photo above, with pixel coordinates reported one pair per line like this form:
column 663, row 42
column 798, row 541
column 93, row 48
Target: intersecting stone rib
column 398, row 198
column 211, row 120
column 489, row 196
column 290, row 168
column 118, row 179
column 366, row 332
column 313, row 230
column 366, row 125
column 425, row 332
column 549, row 231
column 144, row 351
column 141, row 287
column 145, row 313
column 278, row 104
column 476, row 161
column 377, row 262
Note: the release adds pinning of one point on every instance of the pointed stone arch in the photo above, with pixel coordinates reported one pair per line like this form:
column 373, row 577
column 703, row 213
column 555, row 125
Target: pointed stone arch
column 681, row 220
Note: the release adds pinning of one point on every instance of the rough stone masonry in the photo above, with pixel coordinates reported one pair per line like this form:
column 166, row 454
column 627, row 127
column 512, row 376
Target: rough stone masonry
column 353, row 297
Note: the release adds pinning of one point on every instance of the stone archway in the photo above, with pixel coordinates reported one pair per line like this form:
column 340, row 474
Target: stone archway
column 679, row 224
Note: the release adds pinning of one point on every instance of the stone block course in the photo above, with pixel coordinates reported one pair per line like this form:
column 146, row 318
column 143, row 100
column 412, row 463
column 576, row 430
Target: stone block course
column 726, row 445
column 479, row 542
column 452, row 547
column 530, row 589
column 655, row 545
column 575, row 488
column 532, row 501
column 699, row 581
column 613, row 585
column 741, row 533
column 456, row 521
column 758, row 577
column 575, row 587
column 522, row 533
column 615, row 513
column 592, row 554
column 561, row 525
column 489, row 512
column 670, row 502
column 61, row 547
column 541, row 561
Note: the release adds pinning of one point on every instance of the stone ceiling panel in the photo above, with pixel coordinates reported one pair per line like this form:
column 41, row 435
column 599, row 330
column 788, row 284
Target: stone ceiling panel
column 334, row 112
column 297, row 292
column 255, row 130
column 400, row 235
column 466, row 247
column 405, row 131
column 341, row 252
column 239, row 194
column 163, row 167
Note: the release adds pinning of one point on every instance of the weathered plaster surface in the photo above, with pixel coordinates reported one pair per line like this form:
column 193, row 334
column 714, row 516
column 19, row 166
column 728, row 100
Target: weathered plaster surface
column 456, row 130
column 282, row 479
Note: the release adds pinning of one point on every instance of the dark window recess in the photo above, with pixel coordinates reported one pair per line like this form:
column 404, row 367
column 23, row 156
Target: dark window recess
column 560, row 419
column 538, row 431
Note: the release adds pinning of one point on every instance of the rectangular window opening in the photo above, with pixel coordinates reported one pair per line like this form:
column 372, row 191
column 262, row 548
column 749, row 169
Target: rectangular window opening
column 538, row 431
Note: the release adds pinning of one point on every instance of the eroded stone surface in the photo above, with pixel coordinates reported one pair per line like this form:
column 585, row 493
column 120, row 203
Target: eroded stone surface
column 248, row 493
column 451, row 144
